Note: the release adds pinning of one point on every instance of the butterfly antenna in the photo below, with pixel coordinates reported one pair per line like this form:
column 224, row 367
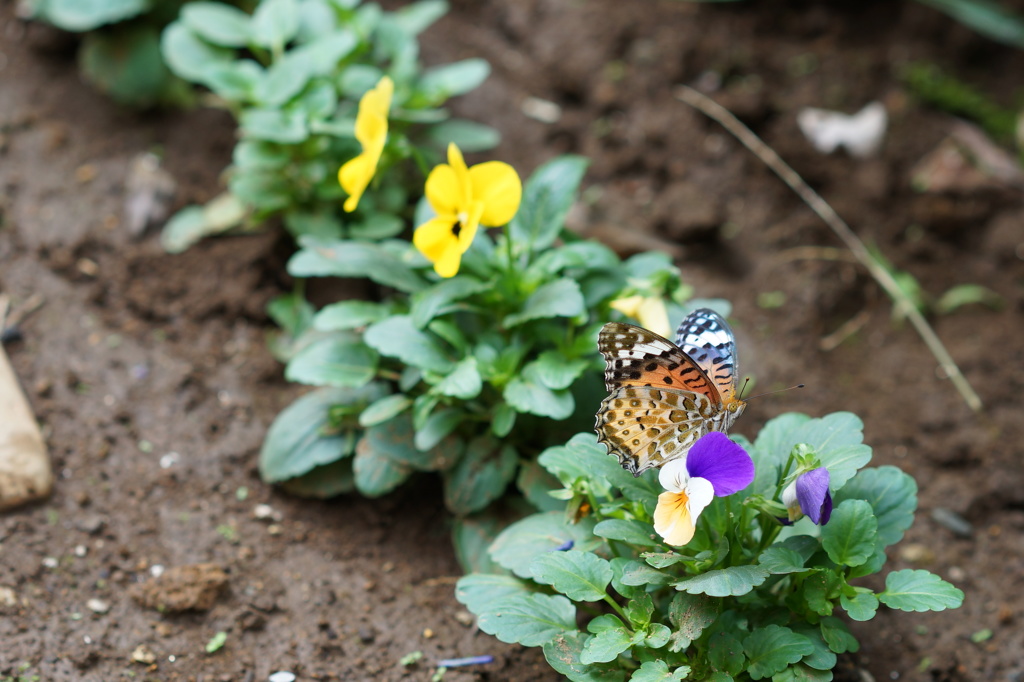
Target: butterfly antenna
column 776, row 391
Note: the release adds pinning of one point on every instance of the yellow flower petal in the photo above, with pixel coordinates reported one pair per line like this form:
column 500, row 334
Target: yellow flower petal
column 458, row 165
column 672, row 519
column 354, row 177
column 628, row 306
column 443, row 241
column 443, row 191
column 497, row 185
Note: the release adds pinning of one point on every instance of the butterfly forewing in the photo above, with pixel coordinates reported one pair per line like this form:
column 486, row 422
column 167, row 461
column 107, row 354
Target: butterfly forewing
column 635, row 356
column 707, row 339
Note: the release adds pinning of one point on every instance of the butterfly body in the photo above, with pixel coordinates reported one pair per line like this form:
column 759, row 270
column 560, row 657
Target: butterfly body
column 664, row 396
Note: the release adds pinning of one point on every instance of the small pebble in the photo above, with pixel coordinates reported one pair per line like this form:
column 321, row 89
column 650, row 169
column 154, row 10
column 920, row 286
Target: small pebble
column 91, row 524
column 282, row 676
column 81, row 550
column 465, row 617
column 97, row 605
column 142, row 654
column 274, row 529
column 156, row 570
column 169, row 460
column 428, row 633
column 264, row 512
column 953, row 522
column 8, row 597
column 50, row 562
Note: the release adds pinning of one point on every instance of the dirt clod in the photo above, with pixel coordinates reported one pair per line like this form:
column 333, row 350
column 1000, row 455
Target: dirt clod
column 192, row 587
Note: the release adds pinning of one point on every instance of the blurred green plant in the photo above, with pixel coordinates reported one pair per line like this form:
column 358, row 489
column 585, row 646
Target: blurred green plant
column 292, row 73
column 930, row 84
column 120, row 46
column 750, row 597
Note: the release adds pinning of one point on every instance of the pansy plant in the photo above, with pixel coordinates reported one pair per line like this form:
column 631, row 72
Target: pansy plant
column 690, row 573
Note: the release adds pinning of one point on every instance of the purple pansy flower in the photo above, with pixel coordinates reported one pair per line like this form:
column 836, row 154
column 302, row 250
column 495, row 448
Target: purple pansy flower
column 809, row 495
column 714, row 467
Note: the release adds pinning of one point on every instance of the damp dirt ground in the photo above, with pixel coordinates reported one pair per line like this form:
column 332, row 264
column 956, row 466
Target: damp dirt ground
column 152, row 381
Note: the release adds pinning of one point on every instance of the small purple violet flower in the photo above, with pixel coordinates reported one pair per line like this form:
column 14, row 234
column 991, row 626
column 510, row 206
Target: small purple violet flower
column 809, row 495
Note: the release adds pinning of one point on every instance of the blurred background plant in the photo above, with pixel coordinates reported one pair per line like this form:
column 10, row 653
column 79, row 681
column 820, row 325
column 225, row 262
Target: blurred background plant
column 292, row 74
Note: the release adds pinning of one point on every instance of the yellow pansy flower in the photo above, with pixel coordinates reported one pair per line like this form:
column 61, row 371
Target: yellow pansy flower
column 372, row 132
column 463, row 198
column 649, row 311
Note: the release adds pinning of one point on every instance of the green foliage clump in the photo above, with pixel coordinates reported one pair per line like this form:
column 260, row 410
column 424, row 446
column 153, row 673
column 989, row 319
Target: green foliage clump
column 292, row 74
column 747, row 599
column 434, row 375
column 930, row 84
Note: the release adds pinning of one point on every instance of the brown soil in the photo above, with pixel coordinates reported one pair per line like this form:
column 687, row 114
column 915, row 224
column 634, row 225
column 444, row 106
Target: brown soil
column 136, row 354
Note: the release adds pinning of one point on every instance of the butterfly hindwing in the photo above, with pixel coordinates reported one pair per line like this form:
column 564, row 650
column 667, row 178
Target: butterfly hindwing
column 635, row 356
column 646, row 426
column 706, row 338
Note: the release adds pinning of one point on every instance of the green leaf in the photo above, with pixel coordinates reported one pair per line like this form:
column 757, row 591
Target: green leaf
column 471, row 537
column 299, row 439
column 554, row 370
column 517, row 545
column 418, row 16
column 657, row 671
column 838, row 636
column 771, row 648
column 468, row 136
column 822, row 658
column 480, row 591
column 187, row 55
column 337, row 360
column 437, row 426
column 581, row 576
column 563, row 654
column 376, row 475
column 606, row 645
column 628, row 530
column 85, row 15
column 274, row 125
column 397, row 337
column 657, row 636
column 235, row 81
column 725, row 653
column 538, row 399
column 639, row 610
column 861, row 606
column 535, row 483
column 217, row 23
column 529, row 620
column 584, row 458
column 386, row 456
column 346, row 258
column 779, row 560
column 442, row 82
column 838, row 441
column 323, row 482
column 348, row 315
column 274, row 23
column 385, row 409
column 441, row 298
column 919, row 590
column 725, row 582
column 185, row 228
column 639, row 574
column 849, row 536
column 503, row 419
column 547, row 198
column 376, row 227
column 820, row 589
column 965, row 294
column 991, row 19
column 802, row 673
column 892, row 495
column 560, row 298
column 480, row 476
column 126, row 65
column 464, row 382
column 690, row 615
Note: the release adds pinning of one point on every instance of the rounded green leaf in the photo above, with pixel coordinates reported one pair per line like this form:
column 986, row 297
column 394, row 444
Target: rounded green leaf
column 725, row 582
column 581, row 576
column 849, row 536
column 348, row 315
column 560, row 298
column 188, row 55
column 772, row 648
column 606, row 645
column 480, row 591
column 274, row 23
column 919, row 590
column 339, row 360
column 384, row 409
column 892, row 495
column 218, row 23
column 480, row 476
column 861, row 606
column 530, row 620
column 534, row 398
column 517, row 545
column 85, row 15
column 398, row 337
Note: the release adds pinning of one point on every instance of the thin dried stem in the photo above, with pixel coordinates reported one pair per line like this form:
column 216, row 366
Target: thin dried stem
column 770, row 158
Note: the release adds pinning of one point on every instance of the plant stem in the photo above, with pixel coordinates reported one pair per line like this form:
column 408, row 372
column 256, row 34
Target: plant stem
column 771, row 158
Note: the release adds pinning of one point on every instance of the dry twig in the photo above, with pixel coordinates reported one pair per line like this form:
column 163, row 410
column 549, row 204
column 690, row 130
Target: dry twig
column 770, row 158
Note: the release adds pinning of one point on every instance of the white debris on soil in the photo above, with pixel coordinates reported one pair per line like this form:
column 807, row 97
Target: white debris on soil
column 81, row 550
column 148, row 193
column 861, row 133
column 169, row 460
column 50, row 562
column 98, row 606
column 142, row 654
column 282, row 676
column 541, row 110
column 264, row 512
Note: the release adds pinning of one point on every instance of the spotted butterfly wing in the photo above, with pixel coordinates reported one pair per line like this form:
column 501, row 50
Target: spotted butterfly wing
column 661, row 400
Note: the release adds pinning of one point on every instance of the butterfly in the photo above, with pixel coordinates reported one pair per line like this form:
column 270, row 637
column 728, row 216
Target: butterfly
column 664, row 395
